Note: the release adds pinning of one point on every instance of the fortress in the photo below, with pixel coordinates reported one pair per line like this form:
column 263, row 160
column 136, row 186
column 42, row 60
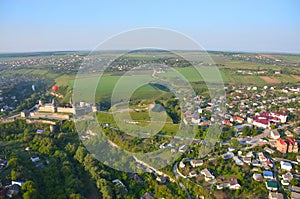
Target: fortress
column 53, row 111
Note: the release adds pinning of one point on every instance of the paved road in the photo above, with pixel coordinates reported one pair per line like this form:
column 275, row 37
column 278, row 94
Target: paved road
column 280, row 188
column 179, row 183
column 254, row 141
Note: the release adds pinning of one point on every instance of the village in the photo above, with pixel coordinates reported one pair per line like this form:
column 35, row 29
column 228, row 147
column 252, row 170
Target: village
column 264, row 142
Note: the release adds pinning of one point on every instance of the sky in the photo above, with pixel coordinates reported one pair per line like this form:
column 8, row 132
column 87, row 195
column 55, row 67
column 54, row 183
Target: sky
column 231, row 25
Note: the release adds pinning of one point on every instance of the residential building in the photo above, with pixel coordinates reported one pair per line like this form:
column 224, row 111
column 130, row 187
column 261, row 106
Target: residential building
column 207, row 174
column 271, row 185
column 233, row 184
column 295, row 195
column 275, row 195
column 288, row 145
column 286, row 166
column 257, row 177
column 274, row 134
column 196, row 163
column 268, row 174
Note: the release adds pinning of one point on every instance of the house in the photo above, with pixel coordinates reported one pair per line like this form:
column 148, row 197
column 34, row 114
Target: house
column 249, row 154
column 268, row 174
column 298, row 158
column 237, row 119
column 3, row 163
column 268, row 150
column 257, row 177
column 192, row 174
column 288, row 145
column 287, row 176
column 183, row 148
column 207, row 174
column 261, row 123
column 262, row 157
column 289, row 134
column 295, row 189
column 286, row 166
column 233, row 184
column 292, row 145
column 247, row 160
column 181, row 165
column 271, row 185
column 147, row 196
column 285, row 182
column 221, row 186
column 274, row 134
column 227, row 155
column 264, row 120
column 205, row 123
column 161, row 179
column 281, row 145
column 255, row 163
column 196, row 163
column 35, row 159
column 227, row 122
column 238, row 161
column 13, row 190
column 17, row 182
column 275, row 195
column 39, row 131
column 295, row 195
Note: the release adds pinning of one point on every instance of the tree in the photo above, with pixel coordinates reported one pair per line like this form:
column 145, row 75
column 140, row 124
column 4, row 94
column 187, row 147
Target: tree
column 294, row 182
column 15, row 175
column 234, row 142
column 30, row 190
column 80, row 154
column 28, row 185
column 75, row 196
column 30, row 194
column 13, row 162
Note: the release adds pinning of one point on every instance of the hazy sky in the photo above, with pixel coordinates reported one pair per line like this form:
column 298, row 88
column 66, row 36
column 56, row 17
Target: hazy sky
column 254, row 25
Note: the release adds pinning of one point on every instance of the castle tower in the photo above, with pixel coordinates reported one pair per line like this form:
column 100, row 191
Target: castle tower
column 54, row 105
column 53, row 102
column 95, row 107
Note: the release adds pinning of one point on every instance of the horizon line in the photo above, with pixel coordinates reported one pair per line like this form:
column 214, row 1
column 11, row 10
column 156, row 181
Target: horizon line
column 122, row 50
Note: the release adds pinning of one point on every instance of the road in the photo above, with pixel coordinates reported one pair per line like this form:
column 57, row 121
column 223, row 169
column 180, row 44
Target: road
column 280, row 188
column 179, row 183
column 254, row 141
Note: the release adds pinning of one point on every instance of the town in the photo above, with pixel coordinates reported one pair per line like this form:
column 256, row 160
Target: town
column 252, row 153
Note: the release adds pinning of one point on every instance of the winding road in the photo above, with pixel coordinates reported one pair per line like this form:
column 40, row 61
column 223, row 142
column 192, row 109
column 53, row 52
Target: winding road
column 179, row 183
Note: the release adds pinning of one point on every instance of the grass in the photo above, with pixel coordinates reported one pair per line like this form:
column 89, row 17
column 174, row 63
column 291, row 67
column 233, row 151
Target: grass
column 120, row 86
column 193, row 75
column 248, row 65
column 143, row 117
column 286, row 78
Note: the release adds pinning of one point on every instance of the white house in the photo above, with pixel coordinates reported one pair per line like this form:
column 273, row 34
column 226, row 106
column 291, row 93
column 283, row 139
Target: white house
column 192, row 174
column 207, row 174
column 257, row 177
column 181, row 164
column 196, row 163
column 286, row 166
column 16, row 182
column 233, row 184
column 274, row 134
column 35, row 159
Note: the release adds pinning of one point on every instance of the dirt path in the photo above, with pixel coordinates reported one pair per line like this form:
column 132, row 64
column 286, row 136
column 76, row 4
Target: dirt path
column 271, row 80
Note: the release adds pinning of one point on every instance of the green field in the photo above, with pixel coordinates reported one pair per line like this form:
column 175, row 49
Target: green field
column 191, row 74
column 143, row 118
